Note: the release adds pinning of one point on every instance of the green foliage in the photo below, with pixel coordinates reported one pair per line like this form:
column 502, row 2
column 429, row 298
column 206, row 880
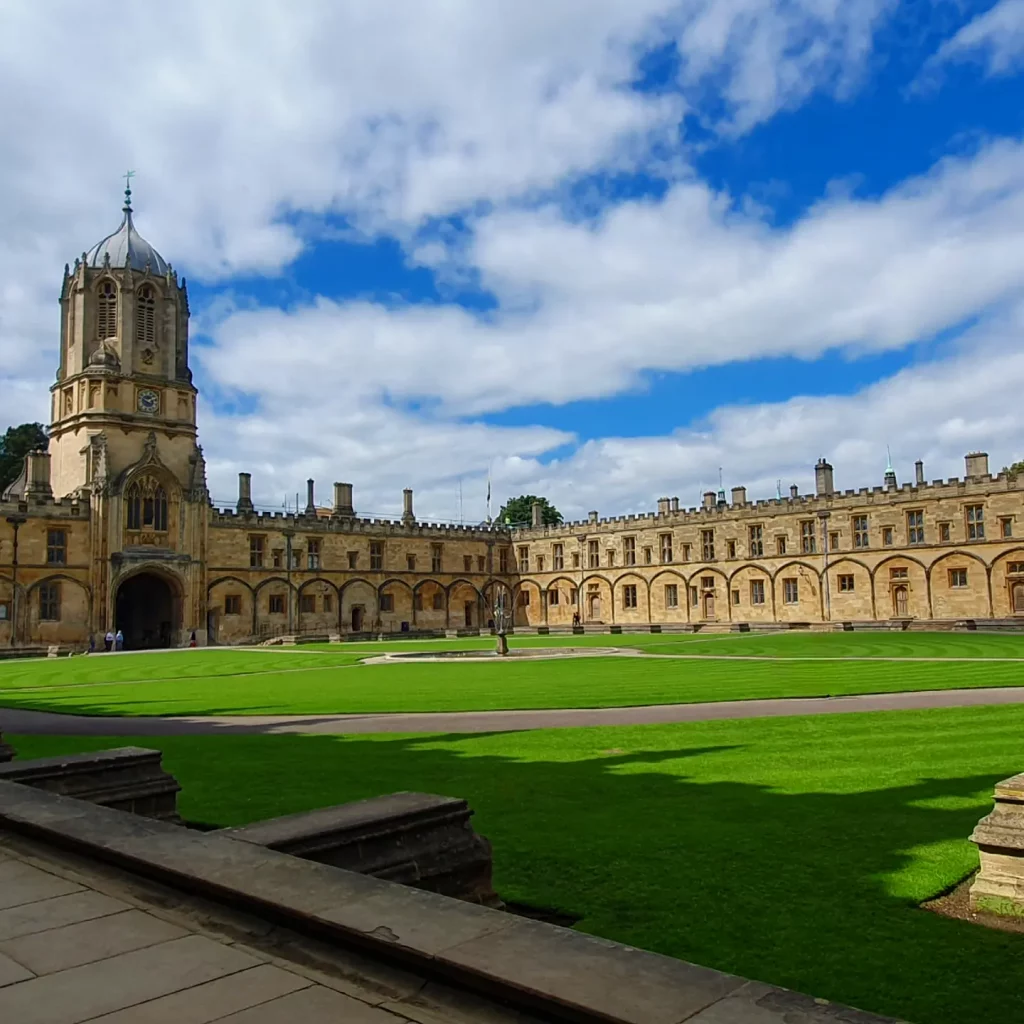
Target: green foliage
column 790, row 850
column 1015, row 469
column 519, row 511
column 15, row 444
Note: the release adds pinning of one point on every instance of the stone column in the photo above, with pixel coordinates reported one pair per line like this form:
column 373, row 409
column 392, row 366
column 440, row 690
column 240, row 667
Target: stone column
column 999, row 887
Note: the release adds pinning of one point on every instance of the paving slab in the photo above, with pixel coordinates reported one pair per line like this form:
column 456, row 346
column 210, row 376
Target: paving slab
column 58, row 949
column 313, row 1006
column 213, row 1000
column 84, row 905
column 11, row 971
column 21, row 883
column 81, row 993
column 757, row 1003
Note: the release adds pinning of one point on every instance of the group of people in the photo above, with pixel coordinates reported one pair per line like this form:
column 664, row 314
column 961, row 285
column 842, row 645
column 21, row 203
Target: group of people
column 115, row 641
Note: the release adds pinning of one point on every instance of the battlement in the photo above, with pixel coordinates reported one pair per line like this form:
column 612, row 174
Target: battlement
column 670, row 515
column 45, row 507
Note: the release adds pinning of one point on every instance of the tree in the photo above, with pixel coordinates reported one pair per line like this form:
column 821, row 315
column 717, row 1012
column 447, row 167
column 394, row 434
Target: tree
column 15, row 444
column 519, row 511
column 1015, row 470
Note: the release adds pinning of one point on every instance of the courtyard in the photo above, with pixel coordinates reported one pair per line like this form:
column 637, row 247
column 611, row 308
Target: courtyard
column 795, row 849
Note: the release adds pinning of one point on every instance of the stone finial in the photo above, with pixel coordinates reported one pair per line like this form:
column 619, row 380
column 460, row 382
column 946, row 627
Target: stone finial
column 999, row 887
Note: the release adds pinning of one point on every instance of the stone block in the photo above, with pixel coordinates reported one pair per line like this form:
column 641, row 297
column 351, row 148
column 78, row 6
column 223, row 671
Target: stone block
column 413, row 838
column 126, row 779
column 999, row 886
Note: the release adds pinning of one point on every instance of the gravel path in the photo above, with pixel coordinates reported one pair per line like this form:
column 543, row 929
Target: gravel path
column 49, row 723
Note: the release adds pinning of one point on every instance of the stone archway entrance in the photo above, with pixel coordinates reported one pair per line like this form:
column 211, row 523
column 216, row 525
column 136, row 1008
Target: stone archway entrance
column 148, row 612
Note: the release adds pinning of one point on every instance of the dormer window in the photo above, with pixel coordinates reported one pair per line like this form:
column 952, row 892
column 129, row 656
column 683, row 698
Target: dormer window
column 145, row 316
column 106, row 311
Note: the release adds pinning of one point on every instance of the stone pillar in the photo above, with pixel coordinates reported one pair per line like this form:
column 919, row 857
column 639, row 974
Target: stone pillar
column 6, row 750
column 739, row 495
column 823, row 481
column 407, row 514
column 536, row 515
column 673, row 504
column 999, row 887
column 244, row 494
column 343, row 500
column 310, row 504
column 919, row 473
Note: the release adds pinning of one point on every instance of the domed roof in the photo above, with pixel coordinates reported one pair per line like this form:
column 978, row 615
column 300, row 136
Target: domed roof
column 126, row 246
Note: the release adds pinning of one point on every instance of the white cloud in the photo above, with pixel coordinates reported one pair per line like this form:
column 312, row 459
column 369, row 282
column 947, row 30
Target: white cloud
column 994, row 38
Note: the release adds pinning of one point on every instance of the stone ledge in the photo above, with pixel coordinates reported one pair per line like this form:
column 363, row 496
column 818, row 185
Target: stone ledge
column 536, row 967
column 126, row 779
column 417, row 839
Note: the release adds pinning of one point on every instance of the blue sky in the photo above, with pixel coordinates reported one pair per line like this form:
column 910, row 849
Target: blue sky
column 592, row 252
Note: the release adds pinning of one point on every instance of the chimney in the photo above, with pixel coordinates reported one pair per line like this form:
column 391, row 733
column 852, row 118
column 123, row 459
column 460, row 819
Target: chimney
column 407, row 515
column 592, row 517
column 977, row 464
column 709, row 499
column 343, row 500
column 244, row 505
column 824, row 486
column 794, row 492
column 739, row 495
column 919, row 473
column 310, row 504
column 663, row 504
column 536, row 515
column 674, row 505
column 37, row 475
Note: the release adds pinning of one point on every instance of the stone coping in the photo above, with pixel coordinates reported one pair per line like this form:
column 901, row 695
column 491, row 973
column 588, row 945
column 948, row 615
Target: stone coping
column 560, row 974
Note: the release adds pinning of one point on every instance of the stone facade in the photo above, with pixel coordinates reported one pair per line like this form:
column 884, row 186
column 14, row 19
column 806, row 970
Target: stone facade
column 113, row 527
column 944, row 551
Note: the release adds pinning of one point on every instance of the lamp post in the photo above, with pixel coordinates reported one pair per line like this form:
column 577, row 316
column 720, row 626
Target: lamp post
column 579, row 591
column 824, row 517
column 16, row 522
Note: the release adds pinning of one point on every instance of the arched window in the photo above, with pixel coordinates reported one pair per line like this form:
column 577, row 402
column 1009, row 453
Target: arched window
column 145, row 316
column 106, row 311
column 146, row 506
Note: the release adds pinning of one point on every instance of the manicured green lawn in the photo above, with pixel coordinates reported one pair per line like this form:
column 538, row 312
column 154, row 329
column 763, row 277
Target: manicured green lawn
column 790, row 850
column 329, row 680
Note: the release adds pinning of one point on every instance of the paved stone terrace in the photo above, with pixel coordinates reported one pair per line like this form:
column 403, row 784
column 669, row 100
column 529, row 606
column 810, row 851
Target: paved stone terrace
column 79, row 942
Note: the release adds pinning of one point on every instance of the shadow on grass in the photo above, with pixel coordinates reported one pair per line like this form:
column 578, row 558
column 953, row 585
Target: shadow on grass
column 816, row 891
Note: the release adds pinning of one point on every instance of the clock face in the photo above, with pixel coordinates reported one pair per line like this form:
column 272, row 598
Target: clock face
column 149, row 401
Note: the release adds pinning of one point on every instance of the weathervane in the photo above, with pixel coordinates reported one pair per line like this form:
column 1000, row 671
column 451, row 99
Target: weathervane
column 128, row 175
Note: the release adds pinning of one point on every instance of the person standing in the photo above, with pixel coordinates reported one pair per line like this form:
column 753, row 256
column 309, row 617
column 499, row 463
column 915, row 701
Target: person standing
column 108, row 641
column 119, row 641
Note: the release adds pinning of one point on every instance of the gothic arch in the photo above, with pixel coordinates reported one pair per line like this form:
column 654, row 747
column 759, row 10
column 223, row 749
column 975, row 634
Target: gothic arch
column 393, row 579
column 229, row 579
column 959, row 553
column 876, row 581
column 354, row 582
column 147, row 296
column 430, row 581
column 108, row 312
column 756, row 566
column 849, row 560
column 461, row 580
column 630, row 574
column 275, row 579
column 315, row 580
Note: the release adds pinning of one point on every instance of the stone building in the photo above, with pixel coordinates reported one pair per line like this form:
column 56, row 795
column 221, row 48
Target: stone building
column 945, row 551
column 112, row 527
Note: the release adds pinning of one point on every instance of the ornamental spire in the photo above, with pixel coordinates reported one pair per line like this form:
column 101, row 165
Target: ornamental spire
column 128, row 175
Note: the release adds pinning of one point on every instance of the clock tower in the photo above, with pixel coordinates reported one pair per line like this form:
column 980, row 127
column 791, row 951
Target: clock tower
column 123, row 439
column 123, row 376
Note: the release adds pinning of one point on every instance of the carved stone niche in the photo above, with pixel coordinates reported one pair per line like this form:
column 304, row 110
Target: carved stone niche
column 999, row 886
column 126, row 779
column 416, row 839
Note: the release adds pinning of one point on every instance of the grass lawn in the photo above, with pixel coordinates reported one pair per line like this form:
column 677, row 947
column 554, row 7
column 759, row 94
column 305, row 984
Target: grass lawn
column 791, row 850
column 327, row 680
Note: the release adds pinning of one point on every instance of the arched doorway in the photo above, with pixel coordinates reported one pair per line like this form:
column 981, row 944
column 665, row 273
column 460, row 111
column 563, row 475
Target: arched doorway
column 147, row 611
column 899, row 597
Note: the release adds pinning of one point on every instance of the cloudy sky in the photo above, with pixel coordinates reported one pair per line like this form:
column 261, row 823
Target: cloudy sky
column 597, row 249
